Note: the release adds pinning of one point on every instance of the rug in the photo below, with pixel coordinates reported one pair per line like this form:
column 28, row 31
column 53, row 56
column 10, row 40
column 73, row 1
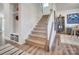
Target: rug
column 67, row 39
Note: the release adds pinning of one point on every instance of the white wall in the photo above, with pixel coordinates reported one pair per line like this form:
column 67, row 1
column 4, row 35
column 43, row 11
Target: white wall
column 8, row 21
column 46, row 10
column 29, row 15
column 14, row 13
column 1, row 25
column 1, row 29
column 65, row 12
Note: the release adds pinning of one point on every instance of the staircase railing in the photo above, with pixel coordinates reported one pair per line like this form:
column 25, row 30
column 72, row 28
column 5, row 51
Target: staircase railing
column 50, row 29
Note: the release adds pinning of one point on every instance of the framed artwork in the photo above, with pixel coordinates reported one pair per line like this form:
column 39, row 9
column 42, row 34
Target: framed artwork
column 73, row 18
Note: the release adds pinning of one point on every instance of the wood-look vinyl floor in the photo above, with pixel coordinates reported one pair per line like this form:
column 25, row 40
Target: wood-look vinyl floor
column 9, row 49
column 60, row 48
column 65, row 49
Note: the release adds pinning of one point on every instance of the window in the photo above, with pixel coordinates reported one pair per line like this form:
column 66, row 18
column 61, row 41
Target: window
column 45, row 4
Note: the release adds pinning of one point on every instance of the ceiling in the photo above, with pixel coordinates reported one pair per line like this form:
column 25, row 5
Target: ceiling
column 67, row 6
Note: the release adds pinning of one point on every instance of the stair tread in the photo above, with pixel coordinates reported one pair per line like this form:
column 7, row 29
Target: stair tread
column 38, row 35
column 41, row 24
column 31, row 37
column 39, row 31
column 41, row 28
column 35, row 44
column 37, row 41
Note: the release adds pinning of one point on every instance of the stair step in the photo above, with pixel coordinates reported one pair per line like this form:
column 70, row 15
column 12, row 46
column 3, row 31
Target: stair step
column 40, row 39
column 39, row 31
column 43, row 21
column 36, row 42
column 39, row 28
column 38, row 35
column 42, row 25
column 42, row 42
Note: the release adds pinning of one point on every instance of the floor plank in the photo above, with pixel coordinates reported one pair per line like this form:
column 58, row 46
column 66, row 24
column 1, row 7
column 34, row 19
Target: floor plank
column 4, row 46
column 66, row 51
column 34, row 50
column 18, row 52
column 6, row 50
column 38, row 52
column 60, row 49
column 71, row 50
column 30, row 49
column 26, row 47
column 24, row 53
column 11, row 51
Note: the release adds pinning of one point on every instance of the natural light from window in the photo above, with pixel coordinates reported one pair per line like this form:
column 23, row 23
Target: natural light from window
column 45, row 4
